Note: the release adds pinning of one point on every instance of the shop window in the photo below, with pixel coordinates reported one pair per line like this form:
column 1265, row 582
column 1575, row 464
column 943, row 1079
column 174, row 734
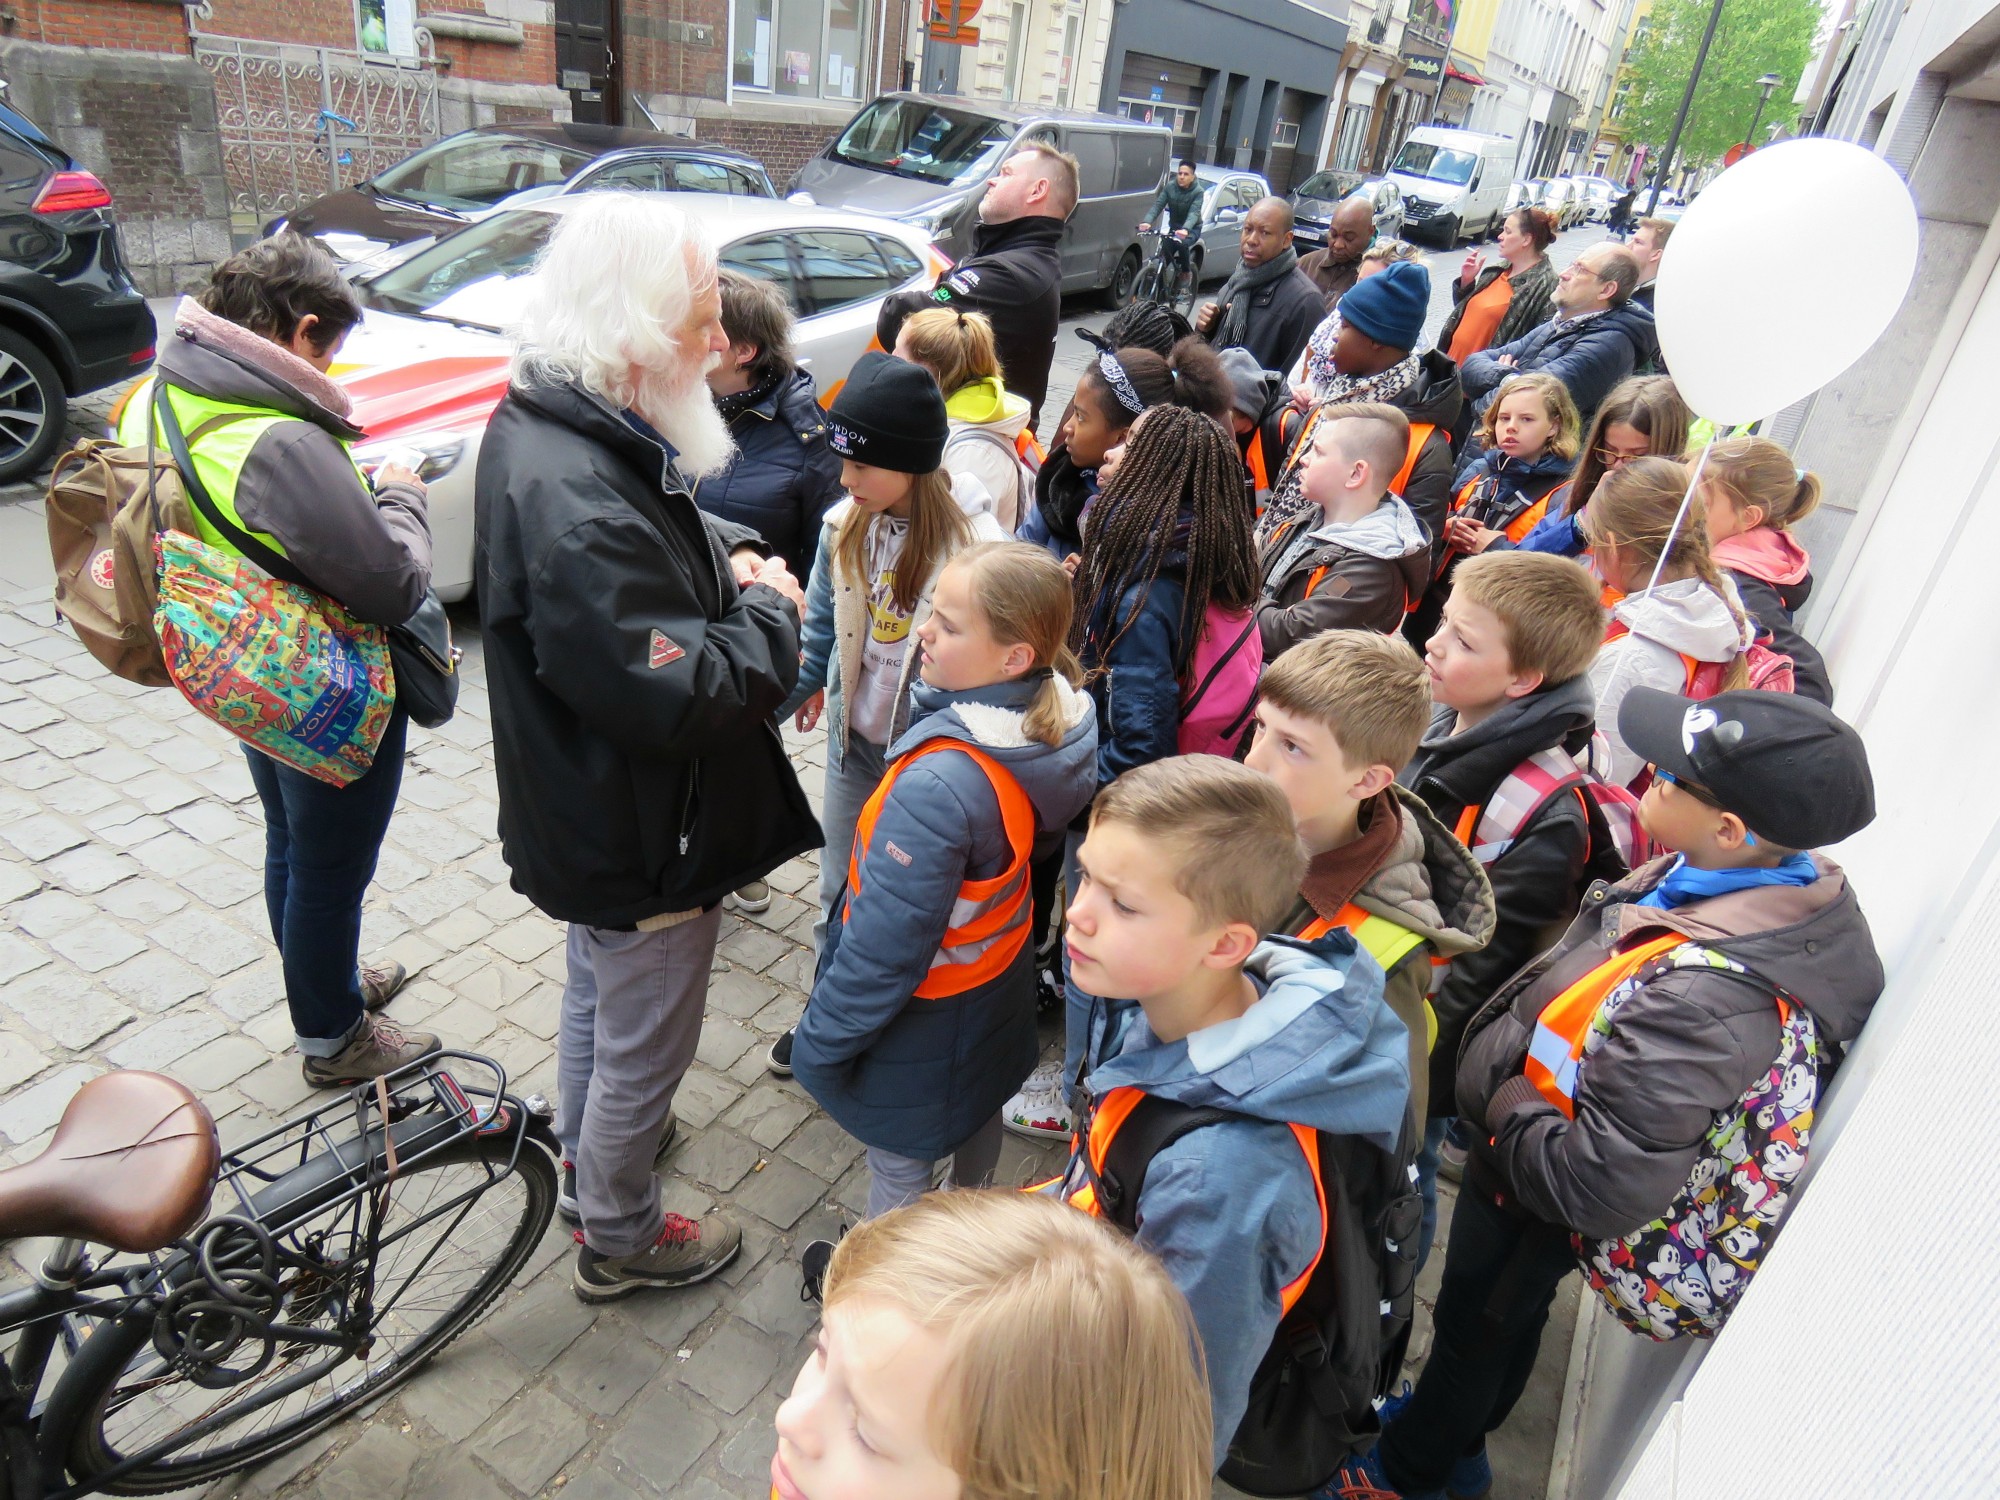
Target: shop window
column 798, row 49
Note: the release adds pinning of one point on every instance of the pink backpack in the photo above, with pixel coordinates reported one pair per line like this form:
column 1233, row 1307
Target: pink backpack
column 1618, row 840
column 1219, row 689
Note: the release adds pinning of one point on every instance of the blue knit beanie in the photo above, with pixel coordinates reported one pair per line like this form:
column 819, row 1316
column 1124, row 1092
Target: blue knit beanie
column 1391, row 305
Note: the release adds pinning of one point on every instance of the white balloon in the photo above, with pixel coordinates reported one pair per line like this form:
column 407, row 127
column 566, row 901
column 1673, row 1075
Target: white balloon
column 1747, row 323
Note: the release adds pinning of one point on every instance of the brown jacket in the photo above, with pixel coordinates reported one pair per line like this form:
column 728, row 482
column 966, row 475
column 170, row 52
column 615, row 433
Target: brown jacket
column 1361, row 576
column 1332, row 277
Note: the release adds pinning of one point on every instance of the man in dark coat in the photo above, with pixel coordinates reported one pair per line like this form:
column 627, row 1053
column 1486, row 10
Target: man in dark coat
column 1014, row 274
column 1268, row 305
column 636, row 652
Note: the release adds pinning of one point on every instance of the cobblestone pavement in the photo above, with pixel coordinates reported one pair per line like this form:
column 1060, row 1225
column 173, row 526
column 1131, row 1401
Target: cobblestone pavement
column 132, row 934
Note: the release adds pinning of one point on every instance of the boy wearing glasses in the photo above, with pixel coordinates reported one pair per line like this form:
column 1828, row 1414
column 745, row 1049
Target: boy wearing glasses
column 1597, row 1073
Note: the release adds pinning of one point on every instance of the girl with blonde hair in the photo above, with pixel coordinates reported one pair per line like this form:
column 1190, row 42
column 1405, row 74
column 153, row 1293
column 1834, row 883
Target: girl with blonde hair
column 996, row 1346
column 986, row 419
column 1752, row 495
column 922, row 1020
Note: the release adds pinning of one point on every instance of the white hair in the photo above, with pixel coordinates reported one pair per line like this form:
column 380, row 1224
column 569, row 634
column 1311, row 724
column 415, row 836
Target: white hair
column 609, row 307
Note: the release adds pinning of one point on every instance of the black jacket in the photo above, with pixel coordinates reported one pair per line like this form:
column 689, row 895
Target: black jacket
column 1283, row 314
column 1538, row 881
column 1772, row 606
column 786, row 476
column 1014, row 276
column 633, row 685
column 1588, row 355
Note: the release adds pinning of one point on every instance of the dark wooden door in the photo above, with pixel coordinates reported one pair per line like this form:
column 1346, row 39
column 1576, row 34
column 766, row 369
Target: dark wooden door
column 587, row 62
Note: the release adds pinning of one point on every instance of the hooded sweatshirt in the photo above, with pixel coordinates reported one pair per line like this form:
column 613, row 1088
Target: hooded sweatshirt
column 1229, row 1208
column 919, row 1078
column 1773, row 576
column 1407, row 868
column 1680, row 1049
column 985, row 418
column 1341, row 575
column 1685, row 617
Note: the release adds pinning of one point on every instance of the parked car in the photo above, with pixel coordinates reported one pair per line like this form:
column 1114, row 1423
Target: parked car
column 1453, row 182
column 1384, row 199
column 1599, row 193
column 71, row 321
column 1563, row 201
column 926, row 159
column 428, row 363
column 442, row 188
column 1524, row 194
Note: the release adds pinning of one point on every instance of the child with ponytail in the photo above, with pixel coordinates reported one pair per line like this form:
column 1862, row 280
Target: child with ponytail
column 986, row 419
column 1691, row 618
column 1752, row 496
column 922, row 1019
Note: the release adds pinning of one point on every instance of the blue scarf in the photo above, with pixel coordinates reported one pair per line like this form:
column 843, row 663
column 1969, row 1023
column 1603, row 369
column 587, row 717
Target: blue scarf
column 1684, row 883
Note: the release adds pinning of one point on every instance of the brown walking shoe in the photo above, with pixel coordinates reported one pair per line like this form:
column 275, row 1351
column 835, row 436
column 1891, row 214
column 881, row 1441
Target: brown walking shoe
column 379, row 983
column 378, row 1047
column 687, row 1251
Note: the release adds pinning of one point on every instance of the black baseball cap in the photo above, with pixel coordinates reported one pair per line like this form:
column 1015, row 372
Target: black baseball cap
column 1794, row 773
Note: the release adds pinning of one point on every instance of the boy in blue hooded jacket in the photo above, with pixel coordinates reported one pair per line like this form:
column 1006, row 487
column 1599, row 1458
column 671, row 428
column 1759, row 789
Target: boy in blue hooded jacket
column 1189, row 861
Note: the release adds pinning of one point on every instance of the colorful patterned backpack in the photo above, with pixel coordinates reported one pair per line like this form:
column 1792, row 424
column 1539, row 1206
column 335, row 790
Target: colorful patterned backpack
column 1684, row 1272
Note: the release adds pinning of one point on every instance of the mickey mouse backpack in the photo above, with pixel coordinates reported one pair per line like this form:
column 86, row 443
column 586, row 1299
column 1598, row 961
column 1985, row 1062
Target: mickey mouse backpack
column 1682, row 1274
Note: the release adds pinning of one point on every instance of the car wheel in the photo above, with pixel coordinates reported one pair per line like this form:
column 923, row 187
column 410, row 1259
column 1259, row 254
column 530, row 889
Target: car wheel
column 1123, row 281
column 1448, row 230
column 32, row 407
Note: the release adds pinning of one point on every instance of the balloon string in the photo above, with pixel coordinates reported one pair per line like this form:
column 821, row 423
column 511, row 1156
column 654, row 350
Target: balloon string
column 1680, row 517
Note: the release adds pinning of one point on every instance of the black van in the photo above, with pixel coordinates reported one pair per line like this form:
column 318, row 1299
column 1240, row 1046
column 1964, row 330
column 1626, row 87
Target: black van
column 926, row 159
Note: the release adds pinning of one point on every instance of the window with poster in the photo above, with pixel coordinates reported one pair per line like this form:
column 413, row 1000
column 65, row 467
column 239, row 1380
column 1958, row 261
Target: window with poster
column 386, row 28
column 799, row 49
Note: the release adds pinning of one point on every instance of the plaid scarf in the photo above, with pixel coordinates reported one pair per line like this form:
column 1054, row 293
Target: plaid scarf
column 1287, row 496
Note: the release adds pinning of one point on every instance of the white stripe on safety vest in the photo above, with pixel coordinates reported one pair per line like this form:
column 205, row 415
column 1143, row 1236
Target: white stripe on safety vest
column 1552, row 1052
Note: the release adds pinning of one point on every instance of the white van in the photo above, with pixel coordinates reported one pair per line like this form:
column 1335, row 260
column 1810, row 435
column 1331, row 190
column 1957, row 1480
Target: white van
column 1454, row 182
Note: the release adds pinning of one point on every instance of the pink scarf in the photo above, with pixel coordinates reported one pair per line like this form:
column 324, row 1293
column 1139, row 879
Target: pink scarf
column 266, row 356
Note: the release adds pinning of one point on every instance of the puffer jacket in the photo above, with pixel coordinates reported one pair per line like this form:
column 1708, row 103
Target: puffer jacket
column 1537, row 879
column 785, row 476
column 1589, row 355
column 985, row 418
column 1136, row 683
column 1681, row 1049
column 1229, row 1209
column 1533, row 300
column 919, row 1077
column 1353, row 575
column 836, row 623
column 1773, row 577
column 1684, row 617
column 1063, row 495
column 1429, row 884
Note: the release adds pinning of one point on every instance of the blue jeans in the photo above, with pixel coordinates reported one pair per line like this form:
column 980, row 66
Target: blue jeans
column 320, row 846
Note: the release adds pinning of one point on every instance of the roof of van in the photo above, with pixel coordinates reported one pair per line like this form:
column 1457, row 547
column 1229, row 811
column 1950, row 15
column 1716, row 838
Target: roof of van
column 1022, row 114
column 1484, row 135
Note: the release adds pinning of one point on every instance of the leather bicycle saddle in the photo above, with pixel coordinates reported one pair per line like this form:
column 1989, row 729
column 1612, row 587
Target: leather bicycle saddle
column 132, row 1166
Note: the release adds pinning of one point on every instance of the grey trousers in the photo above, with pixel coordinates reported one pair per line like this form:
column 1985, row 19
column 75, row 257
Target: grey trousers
column 631, row 1017
column 895, row 1180
column 848, row 788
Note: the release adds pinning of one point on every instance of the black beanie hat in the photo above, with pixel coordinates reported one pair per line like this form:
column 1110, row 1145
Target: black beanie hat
column 889, row 415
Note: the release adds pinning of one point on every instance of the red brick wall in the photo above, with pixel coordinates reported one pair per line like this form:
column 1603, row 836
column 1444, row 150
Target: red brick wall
column 123, row 24
column 780, row 145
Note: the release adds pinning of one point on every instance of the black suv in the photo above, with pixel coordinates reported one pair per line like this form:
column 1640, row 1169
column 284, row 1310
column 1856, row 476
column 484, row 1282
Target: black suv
column 384, row 220
column 71, row 320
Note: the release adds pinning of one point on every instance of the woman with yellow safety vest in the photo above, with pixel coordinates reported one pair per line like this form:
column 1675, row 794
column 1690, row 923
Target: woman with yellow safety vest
column 245, row 377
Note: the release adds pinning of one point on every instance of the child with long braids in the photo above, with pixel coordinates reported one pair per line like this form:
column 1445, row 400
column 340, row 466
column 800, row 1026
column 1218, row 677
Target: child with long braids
column 1752, row 495
column 1691, row 618
column 1169, row 536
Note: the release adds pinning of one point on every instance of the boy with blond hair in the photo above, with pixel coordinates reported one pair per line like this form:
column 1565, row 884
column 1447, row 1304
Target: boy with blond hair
column 1337, row 717
column 1188, row 863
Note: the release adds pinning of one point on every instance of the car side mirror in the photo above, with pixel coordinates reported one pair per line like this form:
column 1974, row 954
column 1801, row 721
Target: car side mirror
column 1228, row 215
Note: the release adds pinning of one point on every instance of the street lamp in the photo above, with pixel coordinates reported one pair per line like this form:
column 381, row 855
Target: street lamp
column 1768, row 82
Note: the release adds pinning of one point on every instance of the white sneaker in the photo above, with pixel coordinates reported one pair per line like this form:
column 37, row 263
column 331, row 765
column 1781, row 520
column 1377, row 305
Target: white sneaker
column 1040, row 1111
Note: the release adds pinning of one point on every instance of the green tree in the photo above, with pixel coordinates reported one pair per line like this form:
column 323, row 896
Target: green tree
column 1754, row 37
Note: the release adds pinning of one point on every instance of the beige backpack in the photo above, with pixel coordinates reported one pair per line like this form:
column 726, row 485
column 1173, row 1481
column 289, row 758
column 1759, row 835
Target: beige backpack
column 106, row 503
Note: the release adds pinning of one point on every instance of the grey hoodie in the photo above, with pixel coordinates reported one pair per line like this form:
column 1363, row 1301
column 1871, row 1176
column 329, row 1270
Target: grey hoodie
column 1683, row 617
column 1341, row 575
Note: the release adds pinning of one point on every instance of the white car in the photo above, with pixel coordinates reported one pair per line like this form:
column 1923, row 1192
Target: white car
column 428, row 363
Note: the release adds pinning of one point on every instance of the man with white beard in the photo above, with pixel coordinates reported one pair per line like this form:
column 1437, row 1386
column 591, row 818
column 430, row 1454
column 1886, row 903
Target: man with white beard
column 636, row 651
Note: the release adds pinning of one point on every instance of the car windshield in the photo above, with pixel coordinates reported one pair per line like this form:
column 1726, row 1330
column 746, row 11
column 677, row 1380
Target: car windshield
column 471, row 172
column 1438, row 163
column 466, row 277
column 909, row 138
column 1331, row 186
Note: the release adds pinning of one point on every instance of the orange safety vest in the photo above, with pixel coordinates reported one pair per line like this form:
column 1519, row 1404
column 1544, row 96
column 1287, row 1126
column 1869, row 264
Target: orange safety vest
column 1101, row 1128
column 1557, row 1044
column 1516, row 529
column 1388, row 943
column 989, row 918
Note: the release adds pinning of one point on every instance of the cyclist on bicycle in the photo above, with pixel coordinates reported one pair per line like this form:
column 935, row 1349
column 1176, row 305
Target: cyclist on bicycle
column 1181, row 198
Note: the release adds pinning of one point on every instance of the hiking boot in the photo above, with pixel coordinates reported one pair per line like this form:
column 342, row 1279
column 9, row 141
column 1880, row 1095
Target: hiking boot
column 779, row 1058
column 378, row 1047
column 687, row 1251
column 566, row 1195
column 379, row 983
column 752, row 898
column 1039, row 1111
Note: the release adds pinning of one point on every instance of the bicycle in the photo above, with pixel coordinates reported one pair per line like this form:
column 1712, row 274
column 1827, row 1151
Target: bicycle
column 1158, row 276
column 324, row 1272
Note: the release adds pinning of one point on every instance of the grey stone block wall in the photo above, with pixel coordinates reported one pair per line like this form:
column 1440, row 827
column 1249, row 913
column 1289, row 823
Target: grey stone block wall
column 145, row 123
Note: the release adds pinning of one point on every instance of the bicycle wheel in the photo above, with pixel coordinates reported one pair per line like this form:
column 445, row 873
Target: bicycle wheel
column 1147, row 287
column 435, row 1270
